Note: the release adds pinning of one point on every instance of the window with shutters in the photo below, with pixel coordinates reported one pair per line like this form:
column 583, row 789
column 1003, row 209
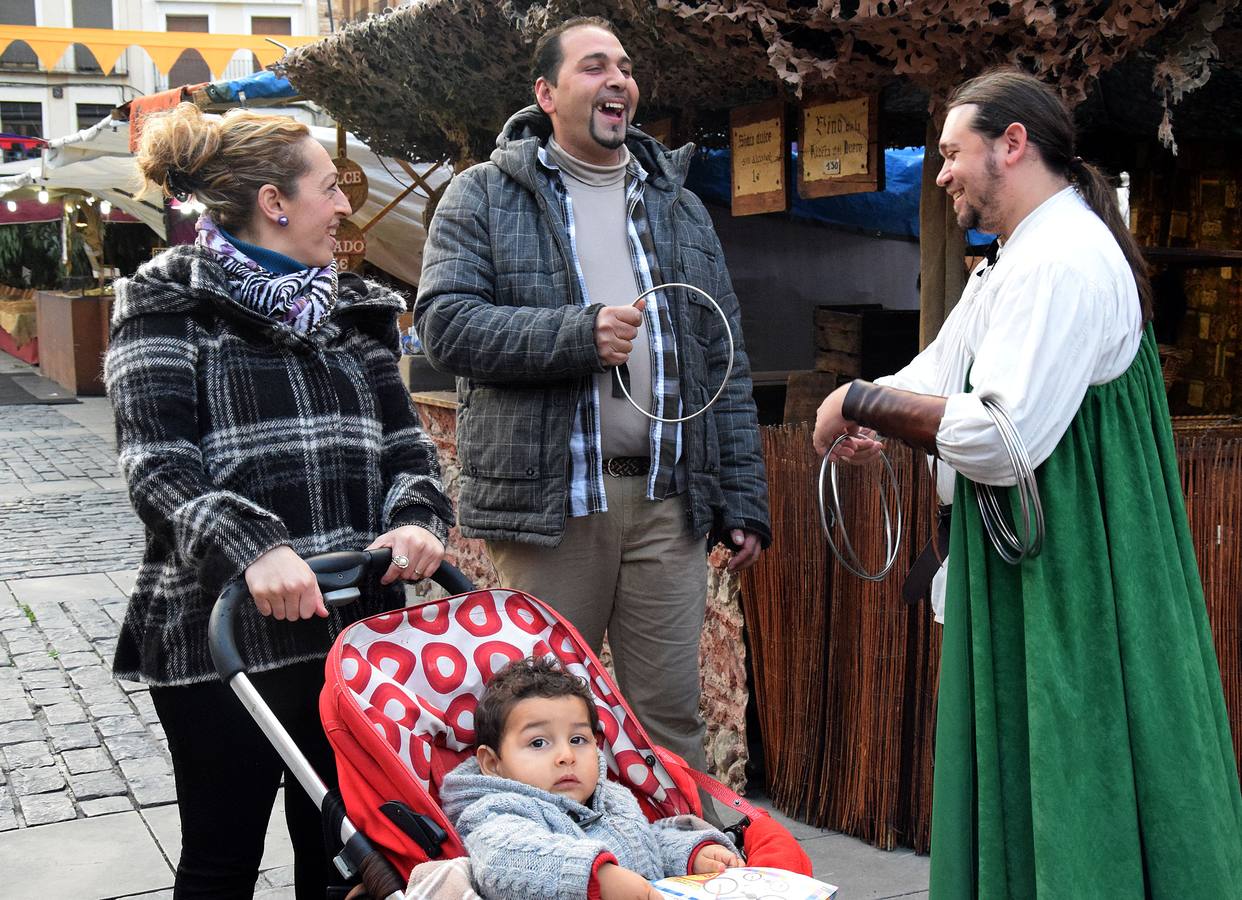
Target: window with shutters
column 273, row 25
column 25, row 119
column 89, row 14
column 90, row 113
column 18, row 55
column 190, row 67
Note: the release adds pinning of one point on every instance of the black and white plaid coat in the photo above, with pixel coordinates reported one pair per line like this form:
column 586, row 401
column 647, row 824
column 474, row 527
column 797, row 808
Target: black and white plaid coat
column 237, row 435
column 499, row 306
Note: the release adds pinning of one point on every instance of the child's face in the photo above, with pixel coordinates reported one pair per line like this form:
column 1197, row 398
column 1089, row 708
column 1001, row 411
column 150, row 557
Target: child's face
column 548, row 744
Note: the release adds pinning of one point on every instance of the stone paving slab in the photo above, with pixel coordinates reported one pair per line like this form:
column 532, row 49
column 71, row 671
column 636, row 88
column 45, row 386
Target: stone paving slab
column 165, row 824
column 62, row 588
column 89, row 859
column 860, row 871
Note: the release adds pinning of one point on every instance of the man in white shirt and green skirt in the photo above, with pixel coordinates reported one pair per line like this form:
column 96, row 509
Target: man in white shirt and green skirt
column 1082, row 744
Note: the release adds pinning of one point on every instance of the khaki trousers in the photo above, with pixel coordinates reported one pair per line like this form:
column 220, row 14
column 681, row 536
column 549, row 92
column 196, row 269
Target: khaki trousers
column 637, row 574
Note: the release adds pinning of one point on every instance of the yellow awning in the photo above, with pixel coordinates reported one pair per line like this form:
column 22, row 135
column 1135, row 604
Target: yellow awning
column 50, row 44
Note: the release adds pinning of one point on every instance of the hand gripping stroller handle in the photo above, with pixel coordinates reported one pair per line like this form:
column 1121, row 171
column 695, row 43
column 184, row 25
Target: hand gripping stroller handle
column 338, row 575
column 379, row 877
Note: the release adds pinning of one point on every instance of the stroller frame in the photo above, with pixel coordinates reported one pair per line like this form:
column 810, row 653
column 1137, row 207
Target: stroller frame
column 338, row 575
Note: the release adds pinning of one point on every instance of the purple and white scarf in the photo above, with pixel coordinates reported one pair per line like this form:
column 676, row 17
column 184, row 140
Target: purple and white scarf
column 301, row 299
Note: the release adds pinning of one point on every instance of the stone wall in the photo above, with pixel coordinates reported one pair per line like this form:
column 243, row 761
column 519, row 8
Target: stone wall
column 722, row 653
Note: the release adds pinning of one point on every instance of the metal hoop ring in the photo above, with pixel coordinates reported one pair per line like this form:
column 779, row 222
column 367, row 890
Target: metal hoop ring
column 828, row 516
column 728, row 369
column 995, row 522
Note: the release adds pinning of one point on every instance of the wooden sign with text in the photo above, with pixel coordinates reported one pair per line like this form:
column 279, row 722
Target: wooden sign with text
column 758, row 142
column 351, row 247
column 839, row 148
column 353, row 181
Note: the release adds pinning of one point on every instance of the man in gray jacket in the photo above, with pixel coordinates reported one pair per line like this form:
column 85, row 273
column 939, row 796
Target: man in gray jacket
column 527, row 294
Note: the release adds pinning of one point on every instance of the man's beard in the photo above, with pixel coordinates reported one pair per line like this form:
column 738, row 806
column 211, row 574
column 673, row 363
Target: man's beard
column 608, row 141
column 972, row 216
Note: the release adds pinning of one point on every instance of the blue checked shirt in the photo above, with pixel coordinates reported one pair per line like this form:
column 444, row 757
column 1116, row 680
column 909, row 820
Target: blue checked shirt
column 586, row 464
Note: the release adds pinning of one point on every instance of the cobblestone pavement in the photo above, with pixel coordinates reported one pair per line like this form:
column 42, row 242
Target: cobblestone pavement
column 63, row 505
column 87, row 799
column 83, row 759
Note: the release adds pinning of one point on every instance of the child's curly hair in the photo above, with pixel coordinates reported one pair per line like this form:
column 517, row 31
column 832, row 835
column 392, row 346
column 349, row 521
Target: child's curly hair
column 521, row 680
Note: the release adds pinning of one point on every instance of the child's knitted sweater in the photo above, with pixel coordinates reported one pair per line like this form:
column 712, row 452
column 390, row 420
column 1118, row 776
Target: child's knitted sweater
column 524, row 842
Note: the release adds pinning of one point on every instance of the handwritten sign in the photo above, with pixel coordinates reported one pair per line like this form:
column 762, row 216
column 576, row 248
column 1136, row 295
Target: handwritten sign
column 758, row 142
column 838, row 148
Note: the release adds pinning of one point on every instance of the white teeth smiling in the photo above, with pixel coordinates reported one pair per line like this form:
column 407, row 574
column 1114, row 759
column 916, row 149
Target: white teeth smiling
column 612, row 106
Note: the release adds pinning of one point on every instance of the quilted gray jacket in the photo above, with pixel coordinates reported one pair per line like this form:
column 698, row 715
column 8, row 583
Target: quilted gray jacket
column 498, row 305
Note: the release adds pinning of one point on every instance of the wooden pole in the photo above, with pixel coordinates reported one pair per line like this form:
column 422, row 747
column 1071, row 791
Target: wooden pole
column 942, row 246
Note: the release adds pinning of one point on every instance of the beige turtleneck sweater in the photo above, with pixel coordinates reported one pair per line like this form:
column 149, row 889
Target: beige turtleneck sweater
column 600, row 230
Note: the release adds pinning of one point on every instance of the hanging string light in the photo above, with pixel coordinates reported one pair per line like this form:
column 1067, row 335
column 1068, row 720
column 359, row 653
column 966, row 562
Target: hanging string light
column 11, row 205
column 43, row 196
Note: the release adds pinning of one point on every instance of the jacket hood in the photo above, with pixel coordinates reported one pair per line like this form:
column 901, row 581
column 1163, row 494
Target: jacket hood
column 528, row 129
column 467, row 784
column 186, row 280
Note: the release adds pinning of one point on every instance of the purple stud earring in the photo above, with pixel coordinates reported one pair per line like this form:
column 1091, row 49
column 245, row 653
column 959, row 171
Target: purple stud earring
column 283, row 221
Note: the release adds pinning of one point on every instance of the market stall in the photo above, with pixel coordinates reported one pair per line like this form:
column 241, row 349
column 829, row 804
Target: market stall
column 842, row 675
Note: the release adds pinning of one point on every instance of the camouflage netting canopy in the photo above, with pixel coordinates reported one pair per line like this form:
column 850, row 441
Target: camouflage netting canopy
column 437, row 79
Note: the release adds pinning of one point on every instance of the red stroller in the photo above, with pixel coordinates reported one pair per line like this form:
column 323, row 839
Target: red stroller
column 398, row 703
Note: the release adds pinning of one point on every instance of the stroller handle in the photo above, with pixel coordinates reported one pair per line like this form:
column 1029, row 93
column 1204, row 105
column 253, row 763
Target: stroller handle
column 338, row 575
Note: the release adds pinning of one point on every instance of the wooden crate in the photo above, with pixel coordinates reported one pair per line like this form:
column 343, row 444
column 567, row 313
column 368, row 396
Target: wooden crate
column 864, row 341
column 805, row 391
column 73, row 336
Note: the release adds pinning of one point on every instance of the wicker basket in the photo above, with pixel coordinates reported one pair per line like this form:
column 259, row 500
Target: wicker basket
column 1172, row 360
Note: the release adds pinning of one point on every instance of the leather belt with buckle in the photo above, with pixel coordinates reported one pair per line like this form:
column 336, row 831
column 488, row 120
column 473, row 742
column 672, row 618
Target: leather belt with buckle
column 627, row 466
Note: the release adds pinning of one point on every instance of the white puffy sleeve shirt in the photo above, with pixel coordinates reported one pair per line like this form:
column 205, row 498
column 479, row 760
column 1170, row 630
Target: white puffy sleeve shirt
column 1056, row 313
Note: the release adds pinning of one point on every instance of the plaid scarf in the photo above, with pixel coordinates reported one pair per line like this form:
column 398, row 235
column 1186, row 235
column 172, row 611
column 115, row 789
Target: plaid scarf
column 301, row 299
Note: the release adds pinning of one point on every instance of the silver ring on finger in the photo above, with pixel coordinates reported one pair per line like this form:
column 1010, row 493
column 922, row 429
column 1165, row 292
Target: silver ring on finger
column 400, row 561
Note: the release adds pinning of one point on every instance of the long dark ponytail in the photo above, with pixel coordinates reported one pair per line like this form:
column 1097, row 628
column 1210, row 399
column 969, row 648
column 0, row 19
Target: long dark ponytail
column 1005, row 96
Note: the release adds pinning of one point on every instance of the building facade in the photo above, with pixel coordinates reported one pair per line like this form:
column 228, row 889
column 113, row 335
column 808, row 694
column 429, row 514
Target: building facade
column 76, row 93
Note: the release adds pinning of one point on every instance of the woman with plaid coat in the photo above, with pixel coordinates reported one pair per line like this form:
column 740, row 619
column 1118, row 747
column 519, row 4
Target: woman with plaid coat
column 260, row 417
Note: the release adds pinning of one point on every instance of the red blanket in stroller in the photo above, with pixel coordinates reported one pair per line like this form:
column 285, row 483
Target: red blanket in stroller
column 398, row 707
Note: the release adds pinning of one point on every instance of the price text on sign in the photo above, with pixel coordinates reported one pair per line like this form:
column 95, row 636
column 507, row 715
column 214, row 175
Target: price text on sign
column 351, row 247
column 352, row 182
column 836, row 139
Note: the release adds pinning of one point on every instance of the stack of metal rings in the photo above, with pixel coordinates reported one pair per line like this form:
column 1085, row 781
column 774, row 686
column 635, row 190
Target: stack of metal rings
column 831, row 514
column 995, row 519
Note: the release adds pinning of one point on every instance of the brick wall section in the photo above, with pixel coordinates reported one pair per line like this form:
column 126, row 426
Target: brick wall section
column 723, row 657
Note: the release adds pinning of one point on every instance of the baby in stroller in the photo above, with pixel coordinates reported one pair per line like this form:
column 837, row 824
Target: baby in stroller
column 537, row 815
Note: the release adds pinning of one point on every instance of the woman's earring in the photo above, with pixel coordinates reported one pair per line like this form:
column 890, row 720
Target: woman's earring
column 283, row 221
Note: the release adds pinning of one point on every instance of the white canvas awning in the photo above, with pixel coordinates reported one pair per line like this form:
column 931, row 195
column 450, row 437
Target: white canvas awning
column 97, row 161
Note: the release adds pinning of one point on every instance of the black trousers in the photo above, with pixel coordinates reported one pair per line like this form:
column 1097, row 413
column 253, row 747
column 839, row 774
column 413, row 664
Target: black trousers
column 227, row 776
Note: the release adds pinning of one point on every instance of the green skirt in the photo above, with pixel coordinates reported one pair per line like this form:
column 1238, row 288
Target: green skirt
column 1082, row 747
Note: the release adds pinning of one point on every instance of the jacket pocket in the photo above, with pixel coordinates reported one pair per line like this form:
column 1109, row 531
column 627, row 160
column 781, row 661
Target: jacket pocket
column 500, row 434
